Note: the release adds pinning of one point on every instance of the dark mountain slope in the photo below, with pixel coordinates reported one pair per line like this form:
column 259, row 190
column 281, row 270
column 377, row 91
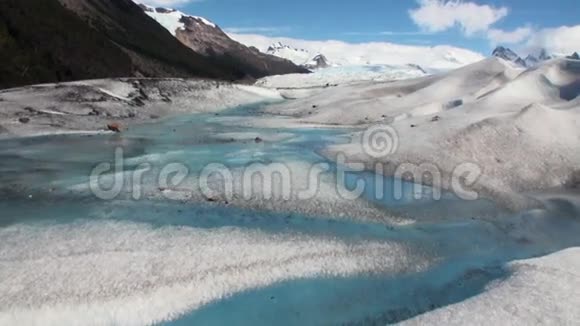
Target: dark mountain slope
column 40, row 41
column 43, row 41
column 123, row 22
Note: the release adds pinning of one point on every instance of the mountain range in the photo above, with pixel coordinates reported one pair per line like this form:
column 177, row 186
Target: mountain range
column 338, row 53
column 45, row 41
column 530, row 61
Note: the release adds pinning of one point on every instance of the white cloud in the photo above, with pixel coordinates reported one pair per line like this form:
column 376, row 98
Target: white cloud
column 388, row 33
column 498, row 36
column 441, row 15
column 559, row 40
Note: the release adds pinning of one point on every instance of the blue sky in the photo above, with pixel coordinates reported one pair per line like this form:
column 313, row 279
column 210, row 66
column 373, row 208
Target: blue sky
column 391, row 20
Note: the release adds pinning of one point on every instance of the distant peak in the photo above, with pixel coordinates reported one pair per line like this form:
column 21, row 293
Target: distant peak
column 543, row 56
column 532, row 60
column 505, row 53
column 499, row 49
column 317, row 62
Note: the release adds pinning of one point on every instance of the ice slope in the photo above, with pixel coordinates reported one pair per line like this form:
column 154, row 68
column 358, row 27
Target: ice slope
column 406, row 98
column 521, row 128
column 540, row 291
column 341, row 53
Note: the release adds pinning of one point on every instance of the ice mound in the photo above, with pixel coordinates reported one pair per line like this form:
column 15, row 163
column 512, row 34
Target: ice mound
column 521, row 128
column 550, row 83
column 538, row 291
column 369, row 102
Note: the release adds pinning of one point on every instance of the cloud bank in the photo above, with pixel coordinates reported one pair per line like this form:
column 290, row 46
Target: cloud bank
column 475, row 19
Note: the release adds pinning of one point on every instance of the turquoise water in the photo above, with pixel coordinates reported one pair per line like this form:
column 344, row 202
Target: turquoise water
column 36, row 175
column 330, row 301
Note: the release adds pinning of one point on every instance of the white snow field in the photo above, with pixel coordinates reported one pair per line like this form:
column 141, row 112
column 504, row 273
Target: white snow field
column 120, row 273
column 353, row 54
column 301, row 85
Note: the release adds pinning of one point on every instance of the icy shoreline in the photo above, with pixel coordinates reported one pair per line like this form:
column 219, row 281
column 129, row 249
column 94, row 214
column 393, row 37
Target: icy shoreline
column 89, row 106
column 520, row 128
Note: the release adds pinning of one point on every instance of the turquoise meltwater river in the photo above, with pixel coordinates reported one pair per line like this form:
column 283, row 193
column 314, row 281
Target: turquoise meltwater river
column 189, row 261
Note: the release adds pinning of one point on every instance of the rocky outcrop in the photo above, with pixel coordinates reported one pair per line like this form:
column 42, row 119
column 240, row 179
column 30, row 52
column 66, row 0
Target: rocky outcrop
column 418, row 67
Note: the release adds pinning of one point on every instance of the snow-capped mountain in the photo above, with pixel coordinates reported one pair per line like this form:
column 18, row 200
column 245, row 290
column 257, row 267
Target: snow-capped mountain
column 531, row 60
column 300, row 57
column 318, row 62
column 208, row 39
column 340, row 53
column 506, row 54
column 544, row 56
